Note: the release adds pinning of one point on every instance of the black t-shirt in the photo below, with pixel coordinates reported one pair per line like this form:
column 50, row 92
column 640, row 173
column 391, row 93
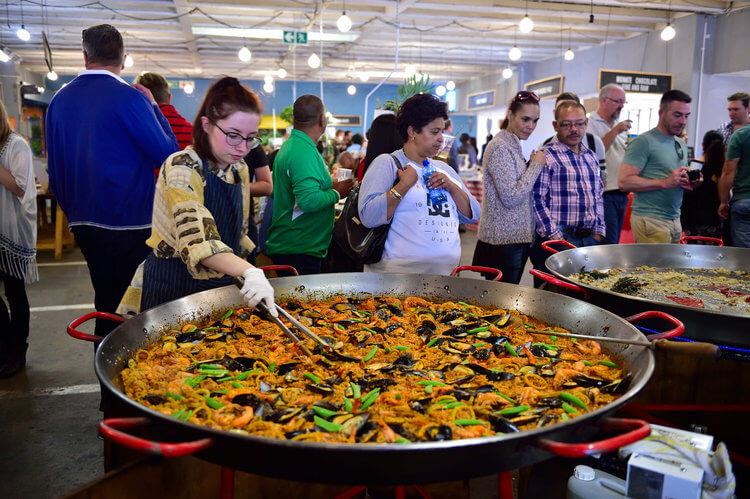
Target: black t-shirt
column 256, row 158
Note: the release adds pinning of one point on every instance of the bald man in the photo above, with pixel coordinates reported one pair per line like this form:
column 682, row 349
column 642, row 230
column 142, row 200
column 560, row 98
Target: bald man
column 304, row 193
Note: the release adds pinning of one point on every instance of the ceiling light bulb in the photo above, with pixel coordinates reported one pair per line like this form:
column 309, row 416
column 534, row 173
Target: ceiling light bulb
column 281, row 73
column 23, row 33
column 268, row 87
column 569, row 55
column 268, row 79
column 244, row 54
column 514, row 53
column 451, row 85
column 188, row 88
column 668, row 33
column 129, row 61
column 3, row 56
column 344, row 23
column 363, row 76
column 313, row 61
column 40, row 89
column 52, row 76
column 440, row 91
column 351, row 90
column 410, row 70
column 526, row 25
column 507, row 73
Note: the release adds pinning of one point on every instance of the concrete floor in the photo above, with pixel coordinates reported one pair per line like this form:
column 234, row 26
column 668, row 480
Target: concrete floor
column 49, row 412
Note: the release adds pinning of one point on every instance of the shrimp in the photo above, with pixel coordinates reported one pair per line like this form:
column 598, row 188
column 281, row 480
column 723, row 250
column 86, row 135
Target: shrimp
column 570, row 356
column 590, row 347
column 528, row 395
column 490, row 399
column 579, row 366
column 413, row 302
column 233, row 415
column 562, row 375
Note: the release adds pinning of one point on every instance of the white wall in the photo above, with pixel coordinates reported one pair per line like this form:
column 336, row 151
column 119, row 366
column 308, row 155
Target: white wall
column 713, row 103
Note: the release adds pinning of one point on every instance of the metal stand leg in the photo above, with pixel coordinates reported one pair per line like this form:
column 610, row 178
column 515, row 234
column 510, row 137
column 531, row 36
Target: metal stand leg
column 226, row 483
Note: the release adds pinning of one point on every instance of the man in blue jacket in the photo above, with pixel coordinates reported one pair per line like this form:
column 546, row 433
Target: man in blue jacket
column 103, row 139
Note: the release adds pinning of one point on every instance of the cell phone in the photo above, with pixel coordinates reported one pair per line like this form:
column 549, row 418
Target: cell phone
column 694, row 169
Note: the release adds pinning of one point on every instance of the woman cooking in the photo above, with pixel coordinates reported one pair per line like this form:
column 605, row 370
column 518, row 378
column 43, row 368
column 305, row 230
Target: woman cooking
column 423, row 236
column 201, row 207
column 506, row 228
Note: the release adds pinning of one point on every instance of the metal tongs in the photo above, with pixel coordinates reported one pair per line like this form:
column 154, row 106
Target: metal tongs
column 239, row 282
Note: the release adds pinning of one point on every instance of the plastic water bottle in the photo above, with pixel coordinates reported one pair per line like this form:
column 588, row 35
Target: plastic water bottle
column 437, row 196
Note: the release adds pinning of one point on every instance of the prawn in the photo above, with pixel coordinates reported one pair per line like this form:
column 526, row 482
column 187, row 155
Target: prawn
column 590, row 347
column 528, row 394
column 562, row 375
column 233, row 415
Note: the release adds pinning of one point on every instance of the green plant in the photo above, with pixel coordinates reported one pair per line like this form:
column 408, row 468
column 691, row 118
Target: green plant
column 287, row 114
column 411, row 86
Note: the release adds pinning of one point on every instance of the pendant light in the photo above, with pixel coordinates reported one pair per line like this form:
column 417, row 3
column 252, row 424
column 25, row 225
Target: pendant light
column 268, row 79
column 52, row 76
column 344, row 22
column 526, row 25
column 668, row 32
column 351, row 90
column 507, row 73
column 22, row 32
column 569, row 54
column 440, row 90
column 128, row 63
column 450, row 85
column 410, row 70
column 244, row 54
column 514, row 53
column 313, row 61
column 4, row 57
column 363, row 76
column 281, row 73
column 188, row 88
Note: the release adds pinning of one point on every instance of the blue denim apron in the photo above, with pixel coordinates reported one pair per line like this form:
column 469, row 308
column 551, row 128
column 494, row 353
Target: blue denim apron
column 167, row 279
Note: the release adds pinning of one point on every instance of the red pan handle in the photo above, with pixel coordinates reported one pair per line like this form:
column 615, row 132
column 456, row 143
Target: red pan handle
column 716, row 241
column 637, row 429
column 72, row 331
column 546, row 245
column 287, row 268
column 458, row 270
column 655, row 314
column 110, row 429
column 557, row 282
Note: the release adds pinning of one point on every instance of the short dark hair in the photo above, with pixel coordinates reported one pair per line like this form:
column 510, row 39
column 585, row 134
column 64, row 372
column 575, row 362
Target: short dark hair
column 567, row 105
column 567, row 96
column 158, row 85
column 383, row 138
column 674, row 96
column 307, row 109
column 417, row 111
column 743, row 96
column 224, row 97
column 357, row 138
column 103, row 45
column 448, row 123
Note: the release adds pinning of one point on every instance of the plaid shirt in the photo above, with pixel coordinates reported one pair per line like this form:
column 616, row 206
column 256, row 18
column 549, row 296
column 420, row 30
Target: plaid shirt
column 726, row 130
column 569, row 191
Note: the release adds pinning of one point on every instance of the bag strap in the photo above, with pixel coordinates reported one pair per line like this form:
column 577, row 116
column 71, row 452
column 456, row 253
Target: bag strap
column 399, row 165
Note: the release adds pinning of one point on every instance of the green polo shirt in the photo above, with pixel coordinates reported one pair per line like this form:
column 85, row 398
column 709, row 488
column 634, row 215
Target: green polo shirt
column 657, row 156
column 303, row 200
column 739, row 147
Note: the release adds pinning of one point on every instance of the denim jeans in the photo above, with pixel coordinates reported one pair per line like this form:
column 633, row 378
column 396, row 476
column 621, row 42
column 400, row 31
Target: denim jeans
column 740, row 221
column 615, row 204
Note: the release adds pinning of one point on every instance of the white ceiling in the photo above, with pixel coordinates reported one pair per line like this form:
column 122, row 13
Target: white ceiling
column 443, row 38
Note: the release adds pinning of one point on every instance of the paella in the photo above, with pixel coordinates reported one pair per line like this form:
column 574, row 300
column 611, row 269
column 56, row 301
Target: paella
column 394, row 370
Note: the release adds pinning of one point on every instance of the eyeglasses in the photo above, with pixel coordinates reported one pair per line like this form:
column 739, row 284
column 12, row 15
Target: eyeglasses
column 526, row 95
column 568, row 125
column 678, row 150
column 617, row 101
column 235, row 139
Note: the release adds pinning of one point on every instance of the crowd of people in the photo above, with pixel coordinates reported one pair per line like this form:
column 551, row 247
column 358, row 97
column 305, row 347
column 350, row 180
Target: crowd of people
column 147, row 242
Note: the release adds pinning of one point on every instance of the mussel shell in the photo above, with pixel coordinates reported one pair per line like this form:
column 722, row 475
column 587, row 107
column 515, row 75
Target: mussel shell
column 619, row 386
column 460, row 394
column 485, row 389
column 502, row 425
column 404, row 360
column 550, row 402
column 381, row 383
column 283, row 415
column 260, row 406
column 383, row 314
column 482, row 354
column 291, row 434
column 546, row 419
column 429, row 324
column 286, row 368
column 450, row 316
column 464, row 379
column 439, row 433
column 458, row 347
column 240, row 363
column 325, row 404
column 353, row 424
column 293, row 305
column 338, row 356
column 321, row 388
column 425, row 332
column 589, row 381
column 524, row 419
column 343, row 307
column 190, row 337
column 154, row 399
column 392, row 327
column 335, row 380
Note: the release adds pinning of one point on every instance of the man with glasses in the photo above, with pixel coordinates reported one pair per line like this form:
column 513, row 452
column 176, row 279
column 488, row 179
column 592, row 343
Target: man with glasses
column 103, row 139
column 304, row 194
column 567, row 195
column 603, row 122
column 654, row 168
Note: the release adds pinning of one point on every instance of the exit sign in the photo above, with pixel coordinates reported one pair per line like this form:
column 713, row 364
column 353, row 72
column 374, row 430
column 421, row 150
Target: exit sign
column 292, row 37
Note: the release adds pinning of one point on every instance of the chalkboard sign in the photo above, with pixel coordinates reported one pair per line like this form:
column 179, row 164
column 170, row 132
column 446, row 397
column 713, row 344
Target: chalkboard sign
column 480, row 100
column 633, row 81
column 346, row 120
column 547, row 88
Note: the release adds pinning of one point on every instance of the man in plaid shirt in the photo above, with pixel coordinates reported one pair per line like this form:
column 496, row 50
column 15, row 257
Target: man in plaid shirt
column 568, row 201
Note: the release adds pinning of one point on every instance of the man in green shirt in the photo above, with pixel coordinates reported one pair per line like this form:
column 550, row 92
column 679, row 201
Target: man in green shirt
column 655, row 170
column 304, row 194
column 736, row 175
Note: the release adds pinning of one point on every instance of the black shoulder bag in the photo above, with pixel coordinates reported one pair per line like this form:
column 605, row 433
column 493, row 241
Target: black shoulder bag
column 362, row 244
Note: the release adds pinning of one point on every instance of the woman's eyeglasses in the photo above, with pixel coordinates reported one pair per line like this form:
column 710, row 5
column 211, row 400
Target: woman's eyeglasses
column 235, row 139
column 526, row 95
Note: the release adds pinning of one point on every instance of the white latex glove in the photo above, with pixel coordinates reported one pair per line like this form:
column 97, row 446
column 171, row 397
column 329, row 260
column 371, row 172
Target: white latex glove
column 257, row 289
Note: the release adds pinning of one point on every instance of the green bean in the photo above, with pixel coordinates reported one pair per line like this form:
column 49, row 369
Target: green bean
column 569, row 397
column 433, row 341
column 463, row 304
column 401, row 348
column 479, row 344
column 479, row 329
column 244, row 375
column 326, row 425
column 401, row 440
column 586, row 363
column 272, row 367
column 355, row 390
column 514, row 410
column 236, row 385
column 428, row 389
column 227, row 314
column 431, row 382
column 368, row 329
column 312, row 378
column 569, row 408
column 190, row 329
column 507, row 398
column 323, row 412
column 509, row 348
column 371, row 353
column 469, row 422
column 565, row 417
column 453, row 405
column 174, row 396
column 608, row 364
column 179, row 413
column 347, row 405
column 187, row 415
column 213, row 403
column 193, row 382
column 370, row 399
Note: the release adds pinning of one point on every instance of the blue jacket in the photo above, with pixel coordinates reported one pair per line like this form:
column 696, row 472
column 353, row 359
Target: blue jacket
column 104, row 139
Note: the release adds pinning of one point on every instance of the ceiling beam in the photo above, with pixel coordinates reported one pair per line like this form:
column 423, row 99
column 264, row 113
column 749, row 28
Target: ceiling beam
column 187, row 31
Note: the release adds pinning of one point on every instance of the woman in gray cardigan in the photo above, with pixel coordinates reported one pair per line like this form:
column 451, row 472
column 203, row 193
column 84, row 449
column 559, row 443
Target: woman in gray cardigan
column 506, row 225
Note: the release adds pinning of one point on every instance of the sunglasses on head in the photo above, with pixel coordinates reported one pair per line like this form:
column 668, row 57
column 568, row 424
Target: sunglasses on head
column 678, row 149
column 526, row 95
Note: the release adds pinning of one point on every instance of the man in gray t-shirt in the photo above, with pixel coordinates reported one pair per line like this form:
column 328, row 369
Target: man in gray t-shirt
column 654, row 168
column 603, row 123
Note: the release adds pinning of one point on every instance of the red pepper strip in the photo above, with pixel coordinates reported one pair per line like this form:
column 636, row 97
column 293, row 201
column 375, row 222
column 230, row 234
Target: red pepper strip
column 687, row 301
column 729, row 293
column 530, row 355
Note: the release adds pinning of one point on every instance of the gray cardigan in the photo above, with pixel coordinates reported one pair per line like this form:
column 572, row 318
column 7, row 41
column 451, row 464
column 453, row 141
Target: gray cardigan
column 507, row 216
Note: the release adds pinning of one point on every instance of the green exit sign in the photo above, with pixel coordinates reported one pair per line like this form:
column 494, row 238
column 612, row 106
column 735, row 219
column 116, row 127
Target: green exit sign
column 292, row 37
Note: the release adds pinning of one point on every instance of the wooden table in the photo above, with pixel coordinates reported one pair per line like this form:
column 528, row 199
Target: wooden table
column 52, row 226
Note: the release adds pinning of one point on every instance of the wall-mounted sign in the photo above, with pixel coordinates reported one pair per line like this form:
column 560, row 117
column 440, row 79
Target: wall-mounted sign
column 634, row 81
column 451, row 99
column 548, row 88
column 480, row 100
column 292, row 37
column 180, row 84
column 346, row 120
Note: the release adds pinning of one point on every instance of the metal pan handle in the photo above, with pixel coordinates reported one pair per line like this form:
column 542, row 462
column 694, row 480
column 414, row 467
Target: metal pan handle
column 638, row 429
column 546, row 245
column 557, row 282
column 110, row 429
column 287, row 268
column 686, row 239
column 72, row 331
column 490, row 270
column 655, row 314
